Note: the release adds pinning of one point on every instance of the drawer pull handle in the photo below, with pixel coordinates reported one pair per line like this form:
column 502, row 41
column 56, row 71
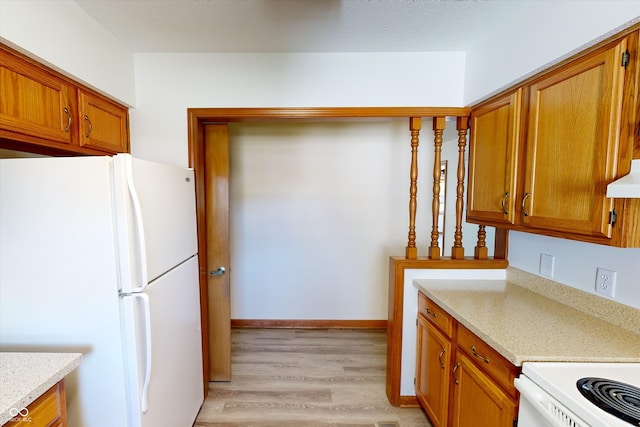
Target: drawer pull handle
column 431, row 313
column 69, row 119
column 524, row 200
column 503, row 203
column 479, row 356
column 440, row 358
column 453, row 373
column 90, row 126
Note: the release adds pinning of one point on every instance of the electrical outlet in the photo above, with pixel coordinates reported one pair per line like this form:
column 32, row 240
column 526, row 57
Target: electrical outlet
column 606, row 282
column 546, row 265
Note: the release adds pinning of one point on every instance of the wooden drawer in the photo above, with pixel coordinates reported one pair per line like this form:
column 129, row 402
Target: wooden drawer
column 47, row 410
column 434, row 314
column 488, row 359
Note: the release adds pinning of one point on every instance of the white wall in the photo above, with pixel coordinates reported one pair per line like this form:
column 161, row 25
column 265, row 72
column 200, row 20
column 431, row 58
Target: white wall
column 517, row 48
column 536, row 34
column 576, row 262
column 316, row 210
column 60, row 34
column 168, row 84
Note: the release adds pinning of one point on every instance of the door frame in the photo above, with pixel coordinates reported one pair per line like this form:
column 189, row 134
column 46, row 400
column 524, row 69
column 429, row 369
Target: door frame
column 198, row 117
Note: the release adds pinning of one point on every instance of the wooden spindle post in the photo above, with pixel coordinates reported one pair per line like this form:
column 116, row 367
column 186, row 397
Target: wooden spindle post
column 415, row 124
column 481, row 251
column 438, row 129
column 457, row 251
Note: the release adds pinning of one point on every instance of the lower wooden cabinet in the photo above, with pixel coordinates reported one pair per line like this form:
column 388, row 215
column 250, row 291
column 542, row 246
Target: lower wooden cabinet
column 49, row 410
column 460, row 380
column 432, row 372
column 477, row 399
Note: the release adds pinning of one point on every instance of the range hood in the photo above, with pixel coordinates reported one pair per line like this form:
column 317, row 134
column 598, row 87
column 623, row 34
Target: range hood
column 628, row 186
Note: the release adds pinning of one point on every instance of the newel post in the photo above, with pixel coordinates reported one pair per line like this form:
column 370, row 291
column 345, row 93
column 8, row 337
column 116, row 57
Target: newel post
column 415, row 124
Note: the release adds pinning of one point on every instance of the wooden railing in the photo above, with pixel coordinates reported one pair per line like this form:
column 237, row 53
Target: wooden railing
column 434, row 250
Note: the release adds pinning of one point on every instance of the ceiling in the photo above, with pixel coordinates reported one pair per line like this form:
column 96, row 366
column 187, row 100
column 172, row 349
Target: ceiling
column 298, row 25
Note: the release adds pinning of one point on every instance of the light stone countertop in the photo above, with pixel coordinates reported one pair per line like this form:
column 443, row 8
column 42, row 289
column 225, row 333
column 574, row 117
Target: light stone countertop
column 26, row 376
column 525, row 326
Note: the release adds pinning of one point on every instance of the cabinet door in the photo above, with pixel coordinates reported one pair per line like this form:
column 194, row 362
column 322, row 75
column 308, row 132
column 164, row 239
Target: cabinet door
column 574, row 123
column 433, row 365
column 477, row 400
column 493, row 156
column 34, row 102
column 103, row 124
column 47, row 410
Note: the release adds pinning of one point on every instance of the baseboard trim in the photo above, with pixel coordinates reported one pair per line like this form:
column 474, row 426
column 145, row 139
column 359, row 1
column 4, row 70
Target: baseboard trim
column 308, row 324
column 409, row 402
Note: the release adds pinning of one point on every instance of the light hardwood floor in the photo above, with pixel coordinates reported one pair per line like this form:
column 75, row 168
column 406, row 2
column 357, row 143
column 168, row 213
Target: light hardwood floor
column 306, row 378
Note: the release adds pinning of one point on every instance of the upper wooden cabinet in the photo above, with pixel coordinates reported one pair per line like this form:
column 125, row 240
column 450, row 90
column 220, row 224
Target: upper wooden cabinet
column 495, row 129
column 103, row 124
column 542, row 154
column 571, row 142
column 43, row 111
column 34, row 102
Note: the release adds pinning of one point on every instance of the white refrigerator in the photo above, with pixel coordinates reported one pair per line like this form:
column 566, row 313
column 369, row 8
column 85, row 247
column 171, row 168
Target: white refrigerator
column 98, row 255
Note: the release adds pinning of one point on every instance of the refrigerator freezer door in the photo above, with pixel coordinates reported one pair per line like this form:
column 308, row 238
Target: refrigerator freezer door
column 58, row 277
column 166, row 198
column 175, row 390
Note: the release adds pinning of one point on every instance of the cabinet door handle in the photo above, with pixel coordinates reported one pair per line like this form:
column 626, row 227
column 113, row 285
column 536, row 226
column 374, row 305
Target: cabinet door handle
column 440, row 358
column 479, row 356
column 524, row 200
column 503, row 203
column 453, row 373
column 86, row 119
column 431, row 313
column 69, row 119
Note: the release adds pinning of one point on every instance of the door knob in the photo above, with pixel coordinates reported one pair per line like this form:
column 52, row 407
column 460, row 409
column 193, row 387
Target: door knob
column 219, row 272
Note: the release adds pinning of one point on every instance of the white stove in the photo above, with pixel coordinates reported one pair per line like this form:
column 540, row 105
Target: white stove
column 550, row 395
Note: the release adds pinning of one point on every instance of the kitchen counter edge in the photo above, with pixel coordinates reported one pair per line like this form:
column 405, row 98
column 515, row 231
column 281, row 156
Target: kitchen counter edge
column 524, row 326
column 26, row 376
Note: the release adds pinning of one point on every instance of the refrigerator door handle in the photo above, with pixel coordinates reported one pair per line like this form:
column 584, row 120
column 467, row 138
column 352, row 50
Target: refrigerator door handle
column 147, row 327
column 135, row 201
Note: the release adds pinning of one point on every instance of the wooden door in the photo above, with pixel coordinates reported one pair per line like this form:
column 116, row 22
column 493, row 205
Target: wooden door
column 493, row 156
column 433, row 364
column 574, row 122
column 477, row 400
column 216, row 158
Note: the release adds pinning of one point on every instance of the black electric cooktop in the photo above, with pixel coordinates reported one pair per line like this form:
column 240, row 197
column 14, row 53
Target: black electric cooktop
column 615, row 397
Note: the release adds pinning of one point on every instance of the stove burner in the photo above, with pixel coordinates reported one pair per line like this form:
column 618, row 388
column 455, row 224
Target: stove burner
column 617, row 398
